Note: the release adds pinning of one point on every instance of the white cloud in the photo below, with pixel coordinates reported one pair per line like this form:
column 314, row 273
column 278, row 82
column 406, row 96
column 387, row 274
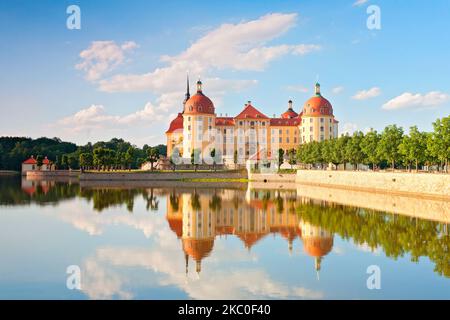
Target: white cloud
column 359, row 3
column 349, row 128
column 367, row 94
column 418, row 100
column 241, row 46
column 297, row 88
column 102, row 57
column 337, row 90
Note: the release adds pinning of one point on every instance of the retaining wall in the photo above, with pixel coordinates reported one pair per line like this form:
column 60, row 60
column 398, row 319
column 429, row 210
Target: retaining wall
column 417, row 184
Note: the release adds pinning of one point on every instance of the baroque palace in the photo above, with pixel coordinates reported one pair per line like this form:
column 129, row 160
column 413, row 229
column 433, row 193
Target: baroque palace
column 250, row 133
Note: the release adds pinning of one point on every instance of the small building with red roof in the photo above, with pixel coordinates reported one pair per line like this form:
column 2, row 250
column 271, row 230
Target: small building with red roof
column 31, row 164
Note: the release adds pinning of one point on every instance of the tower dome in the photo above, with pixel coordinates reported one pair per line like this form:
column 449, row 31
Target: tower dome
column 290, row 113
column 199, row 103
column 317, row 105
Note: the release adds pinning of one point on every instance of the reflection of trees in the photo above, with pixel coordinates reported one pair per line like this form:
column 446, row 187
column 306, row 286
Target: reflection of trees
column 43, row 192
column 215, row 204
column 195, row 202
column 152, row 201
column 174, row 201
column 105, row 198
column 396, row 235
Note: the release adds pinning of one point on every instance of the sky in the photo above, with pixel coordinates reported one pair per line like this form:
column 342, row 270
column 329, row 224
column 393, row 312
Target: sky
column 123, row 73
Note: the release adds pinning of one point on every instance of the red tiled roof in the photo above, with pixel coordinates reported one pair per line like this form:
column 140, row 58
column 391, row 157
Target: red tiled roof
column 317, row 106
column 32, row 160
column 224, row 121
column 250, row 112
column 198, row 104
column 285, row 122
column 176, row 124
column 289, row 114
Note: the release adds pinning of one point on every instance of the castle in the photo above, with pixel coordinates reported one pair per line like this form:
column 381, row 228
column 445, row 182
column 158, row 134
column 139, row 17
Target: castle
column 250, row 133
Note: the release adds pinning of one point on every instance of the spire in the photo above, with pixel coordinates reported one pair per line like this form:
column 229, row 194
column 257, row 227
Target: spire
column 317, row 89
column 290, row 105
column 199, row 86
column 198, row 266
column 187, row 95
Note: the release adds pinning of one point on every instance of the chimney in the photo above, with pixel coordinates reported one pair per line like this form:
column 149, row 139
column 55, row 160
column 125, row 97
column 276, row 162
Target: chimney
column 249, row 102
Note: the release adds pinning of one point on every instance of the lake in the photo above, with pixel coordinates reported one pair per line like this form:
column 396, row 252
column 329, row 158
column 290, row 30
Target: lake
column 214, row 241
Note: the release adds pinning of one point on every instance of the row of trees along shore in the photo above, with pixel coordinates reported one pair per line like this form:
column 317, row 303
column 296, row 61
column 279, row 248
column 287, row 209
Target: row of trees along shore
column 113, row 154
column 390, row 148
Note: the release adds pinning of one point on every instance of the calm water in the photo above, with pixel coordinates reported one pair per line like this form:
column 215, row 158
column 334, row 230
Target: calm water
column 209, row 242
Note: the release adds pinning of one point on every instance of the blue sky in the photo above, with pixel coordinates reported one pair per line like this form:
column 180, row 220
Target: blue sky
column 123, row 74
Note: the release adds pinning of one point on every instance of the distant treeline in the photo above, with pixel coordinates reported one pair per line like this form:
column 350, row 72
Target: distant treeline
column 116, row 152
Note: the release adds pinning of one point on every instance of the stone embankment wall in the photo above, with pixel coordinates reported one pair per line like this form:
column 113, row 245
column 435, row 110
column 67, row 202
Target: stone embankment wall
column 52, row 174
column 160, row 176
column 417, row 184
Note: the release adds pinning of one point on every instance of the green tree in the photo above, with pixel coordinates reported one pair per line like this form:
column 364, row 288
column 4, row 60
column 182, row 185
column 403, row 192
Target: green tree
column 280, row 157
column 369, row 145
column 292, row 158
column 86, row 160
column 39, row 161
column 390, row 139
column 438, row 143
column 65, row 161
column 353, row 151
column 152, row 156
column 413, row 147
column 195, row 158
column 213, row 157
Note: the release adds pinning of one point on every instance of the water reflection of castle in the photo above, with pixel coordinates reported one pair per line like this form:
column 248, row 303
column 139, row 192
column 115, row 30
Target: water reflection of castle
column 198, row 217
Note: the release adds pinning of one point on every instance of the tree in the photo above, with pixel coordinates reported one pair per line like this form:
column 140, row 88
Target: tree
column 413, row 147
column 213, row 156
column 152, row 156
column 369, row 145
column 280, row 157
column 292, row 158
column 65, row 161
column 339, row 154
column 438, row 144
column 353, row 150
column 195, row 158
column 39, row 161
column 103, row 157
column 388, row 145
column 86, row 160
column 128, row 157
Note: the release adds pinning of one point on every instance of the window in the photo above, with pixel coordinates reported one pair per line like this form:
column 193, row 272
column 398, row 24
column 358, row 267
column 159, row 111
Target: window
column 287, row 139
column 321, row 120
column 189, row 118
column 310, row 120
column 310, row 138
column 280, row 140
column 189, row 127
column 303, row 129
column 209, row 127
column 310, row 129
column 321, row 128
column 280, row 131
column 321, row 138
column 295, row 139
column 252, row 123
column 287, row 131
column 210, row 120
column 263, row 123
